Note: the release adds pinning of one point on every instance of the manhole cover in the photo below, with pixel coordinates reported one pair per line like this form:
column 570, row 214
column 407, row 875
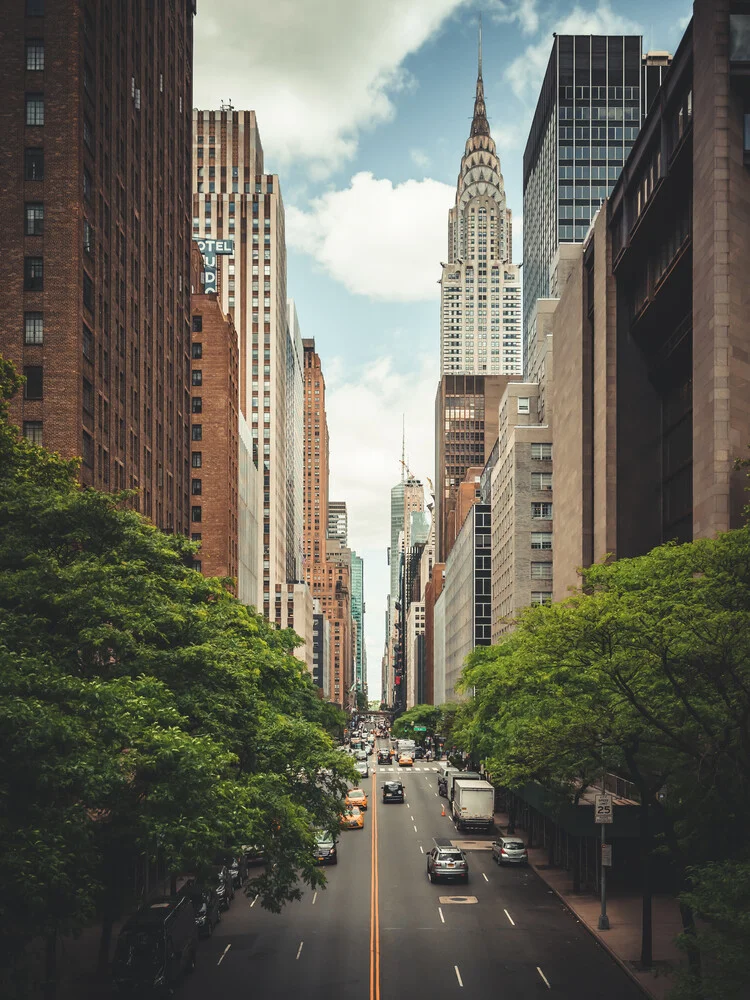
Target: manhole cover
column 458, row 899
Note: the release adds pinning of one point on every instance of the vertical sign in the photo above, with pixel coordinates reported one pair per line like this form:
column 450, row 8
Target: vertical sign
column 210, row 249
column 606, row 855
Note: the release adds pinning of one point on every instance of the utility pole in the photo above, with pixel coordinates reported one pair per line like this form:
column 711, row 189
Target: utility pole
column 603, row 810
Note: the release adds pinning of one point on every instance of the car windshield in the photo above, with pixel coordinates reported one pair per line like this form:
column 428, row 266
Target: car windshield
column 356, row 794
column 513, row 845
column 450, row 855
column 392, row 786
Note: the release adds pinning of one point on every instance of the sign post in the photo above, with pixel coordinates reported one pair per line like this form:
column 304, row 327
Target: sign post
column 604, row 814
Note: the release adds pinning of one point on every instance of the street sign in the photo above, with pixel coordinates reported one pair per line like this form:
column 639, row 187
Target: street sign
column 603, row 808
column 420, row 729
column 607, row 855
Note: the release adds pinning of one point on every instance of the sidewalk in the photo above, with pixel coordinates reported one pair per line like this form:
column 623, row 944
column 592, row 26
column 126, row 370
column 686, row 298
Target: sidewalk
column 623, row 939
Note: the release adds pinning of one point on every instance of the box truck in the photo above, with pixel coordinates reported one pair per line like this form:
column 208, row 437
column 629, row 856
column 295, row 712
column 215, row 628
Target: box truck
column 473, row 805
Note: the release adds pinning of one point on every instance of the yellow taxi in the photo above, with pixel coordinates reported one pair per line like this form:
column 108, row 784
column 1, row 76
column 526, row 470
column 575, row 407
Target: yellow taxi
column 405, row 760
column 352, row 819
column 356, row 797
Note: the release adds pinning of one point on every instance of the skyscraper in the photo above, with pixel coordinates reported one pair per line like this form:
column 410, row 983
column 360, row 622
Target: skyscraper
column 480, row 286
column 95, row 309
column 588, row 115
column 358, row 614
column 234, row 200
column 295, row 446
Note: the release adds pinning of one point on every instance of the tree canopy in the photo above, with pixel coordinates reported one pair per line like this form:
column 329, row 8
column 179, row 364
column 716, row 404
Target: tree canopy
column 646, row 673
column 144, row 711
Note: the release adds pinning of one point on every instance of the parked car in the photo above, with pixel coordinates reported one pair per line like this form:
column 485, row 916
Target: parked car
column 393, row 791
column 447, row 862
column 222, row 881
column 156, row 947
column 510, row 851
column 206, row 906
column 324, row 851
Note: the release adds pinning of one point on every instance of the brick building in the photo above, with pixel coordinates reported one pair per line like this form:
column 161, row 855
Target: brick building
column 214, row 438
column 95, row 239
column 327, row 563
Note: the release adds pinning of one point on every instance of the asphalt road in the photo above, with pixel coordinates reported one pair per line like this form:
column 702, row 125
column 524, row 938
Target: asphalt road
column 514, row 939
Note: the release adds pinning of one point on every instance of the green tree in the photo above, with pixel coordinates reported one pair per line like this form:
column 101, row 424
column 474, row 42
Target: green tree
column 158, row 717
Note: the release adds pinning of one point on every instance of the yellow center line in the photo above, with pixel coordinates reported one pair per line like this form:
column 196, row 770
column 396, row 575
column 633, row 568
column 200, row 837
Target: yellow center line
column 374, row 908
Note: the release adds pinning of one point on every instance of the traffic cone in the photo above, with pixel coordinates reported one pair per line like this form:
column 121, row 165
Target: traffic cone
column 442, row 811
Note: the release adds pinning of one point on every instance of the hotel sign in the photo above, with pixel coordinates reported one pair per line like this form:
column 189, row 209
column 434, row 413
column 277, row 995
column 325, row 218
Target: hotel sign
column 210, row 250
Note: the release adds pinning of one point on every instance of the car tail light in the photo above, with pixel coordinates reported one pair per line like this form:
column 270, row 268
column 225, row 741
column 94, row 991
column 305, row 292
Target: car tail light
column 503, row 851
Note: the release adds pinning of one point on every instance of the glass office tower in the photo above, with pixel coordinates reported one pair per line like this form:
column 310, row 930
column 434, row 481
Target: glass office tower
column 588, row 114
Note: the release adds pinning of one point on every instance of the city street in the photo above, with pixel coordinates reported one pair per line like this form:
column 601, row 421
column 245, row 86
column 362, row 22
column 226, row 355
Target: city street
column 419, row 939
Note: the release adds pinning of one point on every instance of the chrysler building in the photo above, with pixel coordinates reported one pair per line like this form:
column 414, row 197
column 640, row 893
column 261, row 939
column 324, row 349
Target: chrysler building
column 480, row 287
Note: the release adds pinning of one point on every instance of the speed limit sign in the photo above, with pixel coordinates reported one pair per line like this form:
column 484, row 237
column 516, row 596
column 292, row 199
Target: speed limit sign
column 603, row 808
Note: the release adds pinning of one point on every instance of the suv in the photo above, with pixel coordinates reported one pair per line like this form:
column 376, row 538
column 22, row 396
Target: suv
column 156, row 947
column 447, row 862
column 393, row 791
column 384, row 756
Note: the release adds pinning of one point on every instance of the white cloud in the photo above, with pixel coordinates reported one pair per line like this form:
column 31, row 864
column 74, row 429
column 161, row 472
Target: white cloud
column 419, row 158
column 315, row 73
column 364, row 409
column 523, row 12
column 526, row 72
column 378, row 239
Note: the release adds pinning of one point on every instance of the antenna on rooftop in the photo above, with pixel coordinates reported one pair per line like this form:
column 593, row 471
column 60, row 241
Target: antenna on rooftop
column 226, row 106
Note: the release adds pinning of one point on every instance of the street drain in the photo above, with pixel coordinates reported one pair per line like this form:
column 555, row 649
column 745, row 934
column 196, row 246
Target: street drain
column 458, row 899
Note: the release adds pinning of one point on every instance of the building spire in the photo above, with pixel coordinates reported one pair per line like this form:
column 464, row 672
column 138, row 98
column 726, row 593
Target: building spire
column 480, row 46
column 479, row 124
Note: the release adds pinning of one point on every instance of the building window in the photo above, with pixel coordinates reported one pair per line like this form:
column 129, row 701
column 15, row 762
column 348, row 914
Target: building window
column 197, row 404
column 196, row 487
column 196, row 350
column 88, row 450
column 33, row 274
column 541, row 480
column 35, row 109
column 197, row 376
column 32, row 431
column 197, row 432
column 33, row 164
column 197, row 565
column 88, row 133
column 541, row 571
column 86, row 184
column 34, row 386
column 197, row 459
column 88, row 237
column 541, row 539
column 34, row 8
column 88, row 343
column 196, row 513
column 88, row 396
column 197, row 324
column 33, row 328
column 541, row 451
column 541, row 597
column 34, row 53
column 541, row 511
column 88, row 293
column 523, row 404
column 196, row 536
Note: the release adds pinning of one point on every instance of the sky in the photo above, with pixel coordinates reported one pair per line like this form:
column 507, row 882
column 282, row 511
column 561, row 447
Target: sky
column 364, row 109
